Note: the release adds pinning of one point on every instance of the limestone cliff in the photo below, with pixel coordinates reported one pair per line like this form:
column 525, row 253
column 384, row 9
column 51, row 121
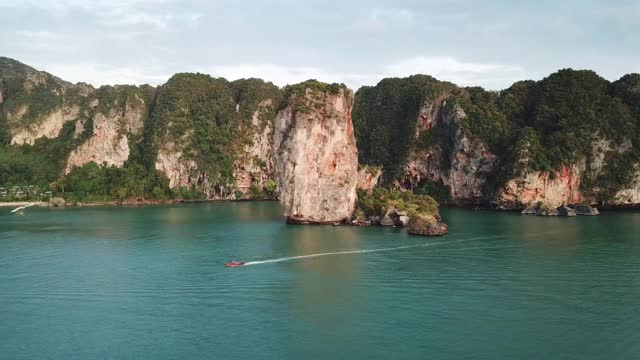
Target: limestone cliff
column 470, row 161
column 570, row 138
column 115, row 122
column 181, row 172
column 368, row 178
column 254, row 166
column 458, row 163
column 215, row 136
column 574, row 184
column 316, row 157
column 630, row 195
column 48, row 126
column 552, row 189
column 36, row 104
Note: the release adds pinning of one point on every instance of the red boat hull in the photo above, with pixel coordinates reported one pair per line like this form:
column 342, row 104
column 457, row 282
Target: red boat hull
column 234, row 264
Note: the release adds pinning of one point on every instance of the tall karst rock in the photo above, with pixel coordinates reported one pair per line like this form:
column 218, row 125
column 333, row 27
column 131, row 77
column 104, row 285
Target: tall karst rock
column 315, row 154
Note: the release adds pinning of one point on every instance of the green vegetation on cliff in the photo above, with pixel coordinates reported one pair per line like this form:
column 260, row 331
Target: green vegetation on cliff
column 118, row 98
column 28, row 95
column 209, row 120
column 307, row 96
column 385, row 118
column 532, row 126
column 39, row 164
column 256, row 95
column 42, row 164
column 198, row 113
column 567, row 118
column 381, row 200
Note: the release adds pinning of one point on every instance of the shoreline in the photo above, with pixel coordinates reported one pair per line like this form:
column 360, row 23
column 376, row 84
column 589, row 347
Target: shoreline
column 22, row 203
column 144, row 202
column 132, row 202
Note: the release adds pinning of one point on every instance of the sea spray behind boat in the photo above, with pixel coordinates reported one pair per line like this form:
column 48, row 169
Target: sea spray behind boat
column 290, row 258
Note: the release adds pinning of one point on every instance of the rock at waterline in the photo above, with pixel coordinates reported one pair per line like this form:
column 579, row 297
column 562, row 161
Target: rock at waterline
column 586, row 210
column 403, row 220
column 57, row 202
column 387, row 221
column 566, row 211
column 394, row 217
column 427, row 225
column 540, row 209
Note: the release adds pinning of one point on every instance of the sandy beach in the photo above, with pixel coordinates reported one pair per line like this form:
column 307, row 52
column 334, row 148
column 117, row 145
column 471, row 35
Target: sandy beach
column 21, row 203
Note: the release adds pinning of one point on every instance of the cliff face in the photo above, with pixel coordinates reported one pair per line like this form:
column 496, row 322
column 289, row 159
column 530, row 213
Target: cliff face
column 316, row 156
column 582, row 182
column 368, row 178
column 570, row 138
column 457, row 163
column 552, row 189
column 113, row 125
column 215, row 136
column 36, row 104
column 254, row 165
column 49, row 126
column 180, row 171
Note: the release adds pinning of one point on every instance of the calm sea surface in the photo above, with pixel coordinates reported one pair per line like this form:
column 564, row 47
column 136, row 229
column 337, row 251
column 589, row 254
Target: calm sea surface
column 149, row 283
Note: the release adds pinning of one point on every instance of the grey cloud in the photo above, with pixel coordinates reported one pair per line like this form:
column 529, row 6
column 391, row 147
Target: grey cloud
column 490, row 43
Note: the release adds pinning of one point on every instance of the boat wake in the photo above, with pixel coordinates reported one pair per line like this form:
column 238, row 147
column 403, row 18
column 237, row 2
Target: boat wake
column 291, row 258
column 21, row 208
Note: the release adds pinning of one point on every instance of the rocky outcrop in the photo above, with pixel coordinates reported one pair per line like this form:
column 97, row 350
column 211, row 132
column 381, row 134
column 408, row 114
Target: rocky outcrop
column 35, row 104
column 180, row 171
column 57, row 202
column 552, row 189
column 316, row 157
column 254, row 166
column 395, row 217
column 565, row 186
column 427, row 225
column 470, row 158
column 467, row 159
column 109, row 144
column 630, row 196
column 566, row 211
column 586, row 210
column 540, row 209
column 368, row 178
column 474, row 147
column 49, row 126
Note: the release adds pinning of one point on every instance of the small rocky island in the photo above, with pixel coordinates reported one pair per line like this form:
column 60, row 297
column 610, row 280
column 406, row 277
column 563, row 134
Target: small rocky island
column 419, row 213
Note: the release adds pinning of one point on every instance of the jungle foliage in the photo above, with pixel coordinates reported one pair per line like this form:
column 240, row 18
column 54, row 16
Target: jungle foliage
column 531, row 126
column 380, row 200
column 198, row 113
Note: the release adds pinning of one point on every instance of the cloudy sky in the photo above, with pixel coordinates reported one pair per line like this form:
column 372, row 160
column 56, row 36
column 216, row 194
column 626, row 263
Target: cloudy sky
column 491, row 43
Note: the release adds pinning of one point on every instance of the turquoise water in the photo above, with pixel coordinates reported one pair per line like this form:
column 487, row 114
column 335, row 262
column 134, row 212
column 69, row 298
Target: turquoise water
column 149, row 283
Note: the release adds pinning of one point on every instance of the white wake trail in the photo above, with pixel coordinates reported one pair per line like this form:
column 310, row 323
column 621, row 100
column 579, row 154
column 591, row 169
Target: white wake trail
column 290, row 258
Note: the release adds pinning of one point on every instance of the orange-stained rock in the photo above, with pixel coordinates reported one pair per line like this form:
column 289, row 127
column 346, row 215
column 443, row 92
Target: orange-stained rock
column 316, row 157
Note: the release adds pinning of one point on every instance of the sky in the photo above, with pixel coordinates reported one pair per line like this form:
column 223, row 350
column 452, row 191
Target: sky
column 490, row 43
